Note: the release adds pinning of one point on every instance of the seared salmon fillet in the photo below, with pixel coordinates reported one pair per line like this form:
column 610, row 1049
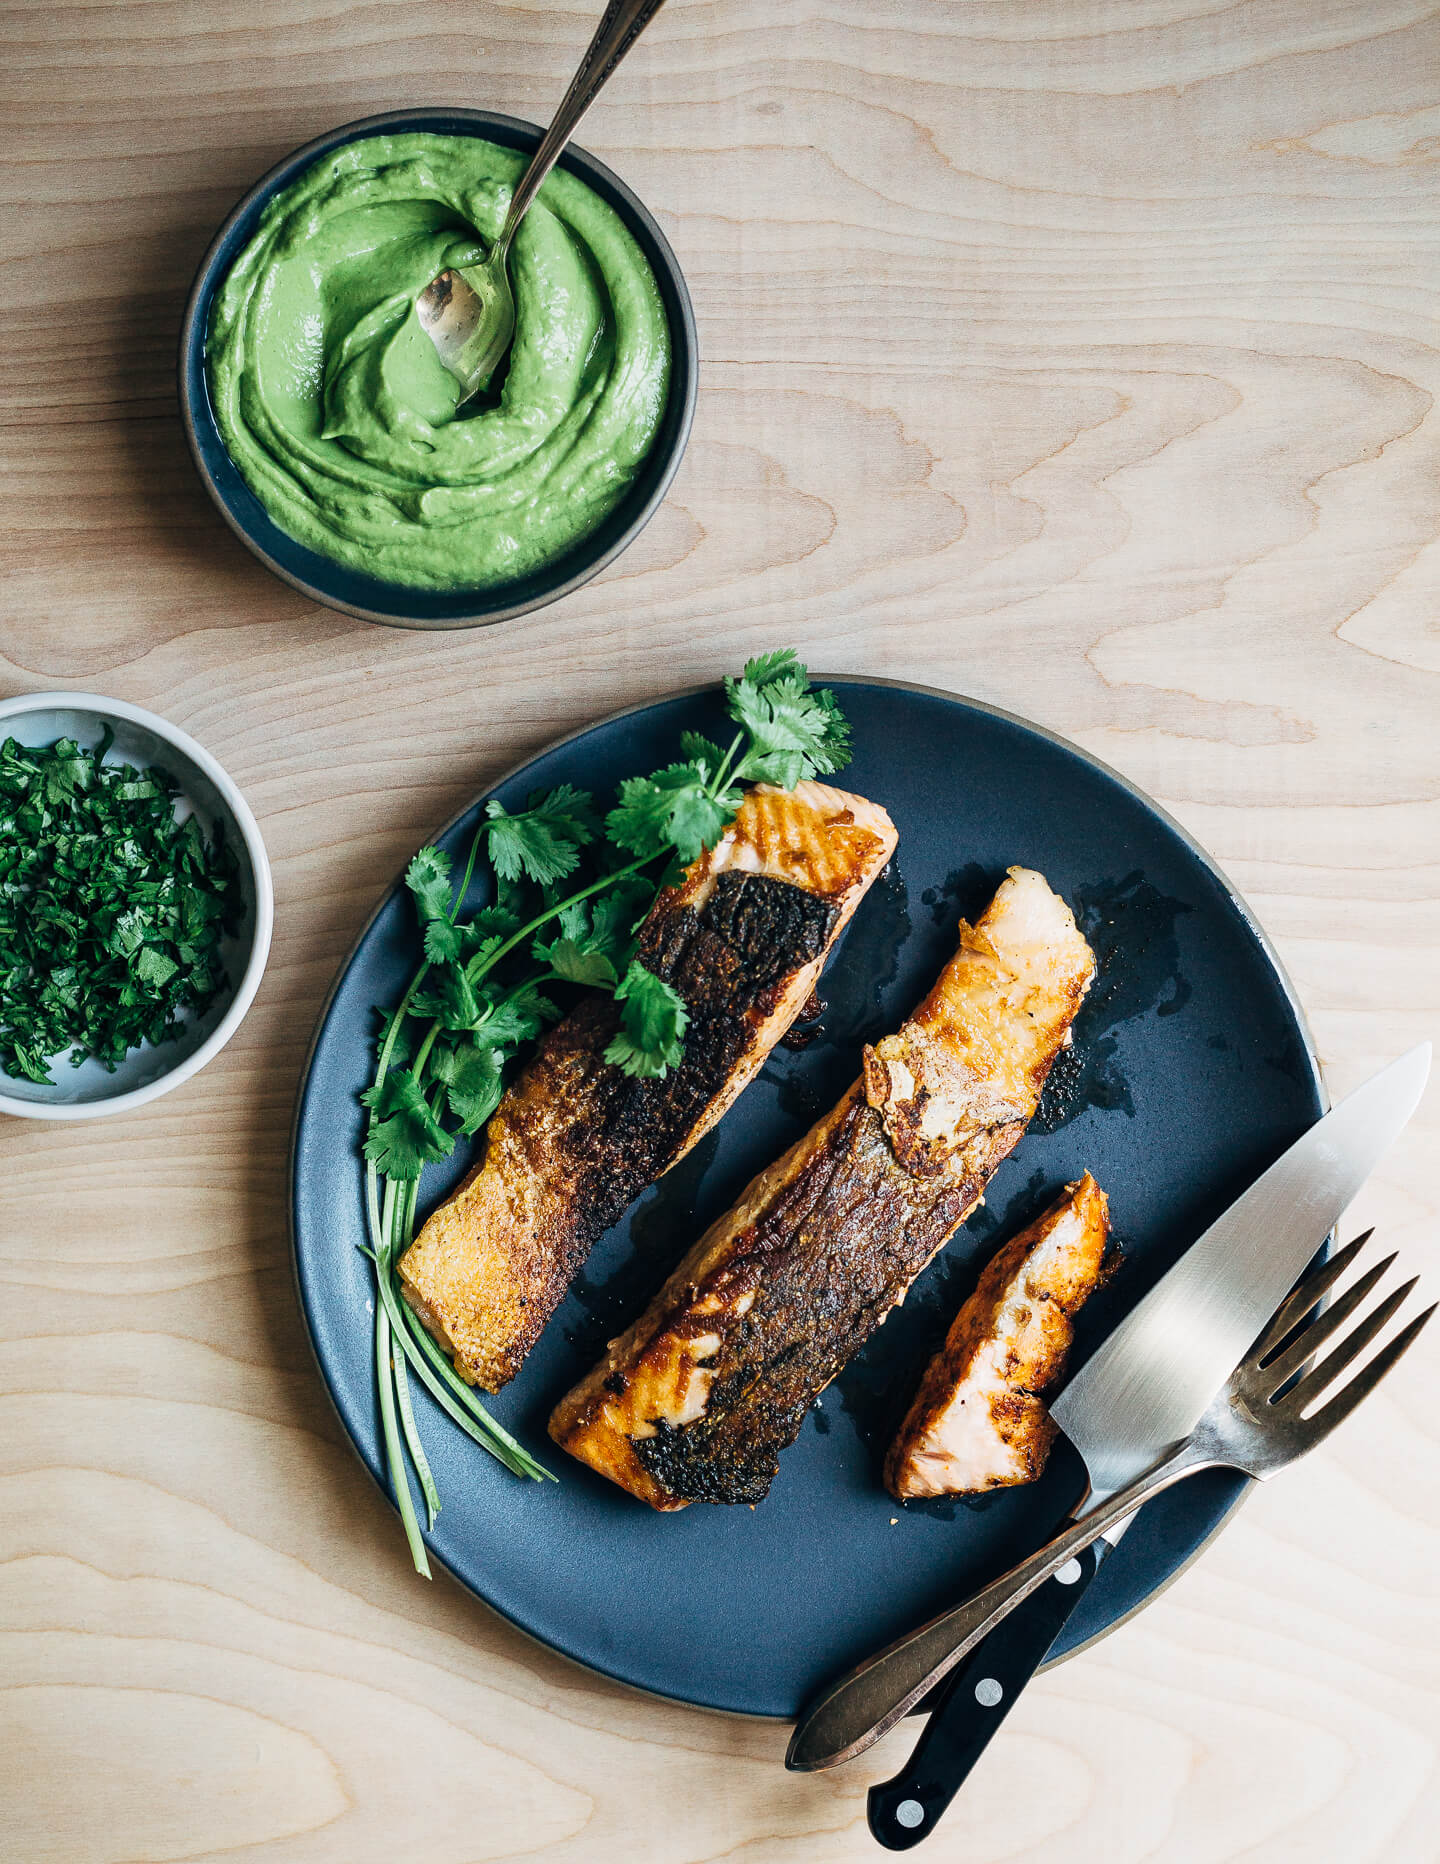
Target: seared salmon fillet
column 697, row 1400
column 979, row 1419
column 575, row 1140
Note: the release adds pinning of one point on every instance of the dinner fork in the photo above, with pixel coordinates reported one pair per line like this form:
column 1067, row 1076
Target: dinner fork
column 1263, row 1419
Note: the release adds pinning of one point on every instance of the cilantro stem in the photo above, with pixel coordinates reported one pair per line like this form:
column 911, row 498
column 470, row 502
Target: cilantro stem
column 394, row 1452
column 397, row 1209
column 722, row 775
column 469, row 874
column 415, row 1344
column 520, row 1462
column 478, row 1424
column 422, row 1054
column 478, row 967
column 516, row 1458
column 395, row 1391
column 387, row 1047
column 412, row 1439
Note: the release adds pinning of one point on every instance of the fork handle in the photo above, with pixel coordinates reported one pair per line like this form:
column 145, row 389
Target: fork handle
column 975, row 1700
column 867, row 1702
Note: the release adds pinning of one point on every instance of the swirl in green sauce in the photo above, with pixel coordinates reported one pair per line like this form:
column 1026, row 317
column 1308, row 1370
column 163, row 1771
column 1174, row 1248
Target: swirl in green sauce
column 338, row 413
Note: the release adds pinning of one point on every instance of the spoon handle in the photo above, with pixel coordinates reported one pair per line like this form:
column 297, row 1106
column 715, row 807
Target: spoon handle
column 622, row 25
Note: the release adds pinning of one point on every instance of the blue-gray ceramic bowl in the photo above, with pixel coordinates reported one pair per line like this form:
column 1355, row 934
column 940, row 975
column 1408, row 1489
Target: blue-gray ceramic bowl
column 320, row 577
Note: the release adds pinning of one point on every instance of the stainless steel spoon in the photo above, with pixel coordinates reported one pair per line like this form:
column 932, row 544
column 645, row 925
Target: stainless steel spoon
column 468, row 312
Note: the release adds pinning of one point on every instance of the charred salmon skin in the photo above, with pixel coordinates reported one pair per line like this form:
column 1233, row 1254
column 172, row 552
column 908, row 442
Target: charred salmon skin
column 697, row 1400
column 979, row 1419
column 575, row 1140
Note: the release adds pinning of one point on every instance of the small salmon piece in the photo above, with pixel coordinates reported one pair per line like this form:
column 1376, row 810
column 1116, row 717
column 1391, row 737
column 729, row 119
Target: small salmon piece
column 979, row 1419
column 701, row 1395
column 742, row 938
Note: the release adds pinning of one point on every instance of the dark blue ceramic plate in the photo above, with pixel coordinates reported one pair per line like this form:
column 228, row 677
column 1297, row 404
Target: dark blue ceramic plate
column 320, row 577
column 1192, row 1071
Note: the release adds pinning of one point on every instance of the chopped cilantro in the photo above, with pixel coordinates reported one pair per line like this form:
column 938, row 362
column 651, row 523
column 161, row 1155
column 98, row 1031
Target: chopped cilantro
column 111, row 910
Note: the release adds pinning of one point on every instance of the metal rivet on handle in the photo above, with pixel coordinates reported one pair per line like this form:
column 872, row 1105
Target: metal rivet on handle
column 1069, row 1573
column 909, row 1813
column 988, row 1692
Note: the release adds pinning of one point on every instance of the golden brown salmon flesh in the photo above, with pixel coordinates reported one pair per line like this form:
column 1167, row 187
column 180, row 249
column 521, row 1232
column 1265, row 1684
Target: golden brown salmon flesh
column 575, row 1140
column 979, row 1419
column 697, row 1400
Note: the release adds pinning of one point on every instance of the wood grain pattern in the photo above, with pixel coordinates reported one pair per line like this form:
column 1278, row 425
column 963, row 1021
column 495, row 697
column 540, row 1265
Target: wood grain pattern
column 1078, row 354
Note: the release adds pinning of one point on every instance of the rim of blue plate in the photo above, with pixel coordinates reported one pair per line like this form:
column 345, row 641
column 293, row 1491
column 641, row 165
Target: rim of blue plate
column 1243, row 1485
column 393, row 604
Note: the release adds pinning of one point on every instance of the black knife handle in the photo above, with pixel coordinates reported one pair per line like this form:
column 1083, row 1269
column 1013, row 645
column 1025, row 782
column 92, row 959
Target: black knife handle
column 973, row 1704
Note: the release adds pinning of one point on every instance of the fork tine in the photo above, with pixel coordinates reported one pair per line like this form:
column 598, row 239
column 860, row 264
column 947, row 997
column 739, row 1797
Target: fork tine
column 1364, row 1382
column 1307, row 1344
column 1313, row 1289
column 1319, row 1377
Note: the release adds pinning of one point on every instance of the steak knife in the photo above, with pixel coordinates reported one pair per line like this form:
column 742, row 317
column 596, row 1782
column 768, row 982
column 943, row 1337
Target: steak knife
column 1141, row 1393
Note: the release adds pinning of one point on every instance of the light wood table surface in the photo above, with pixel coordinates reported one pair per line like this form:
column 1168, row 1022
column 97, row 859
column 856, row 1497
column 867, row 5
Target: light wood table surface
column 1077, row 354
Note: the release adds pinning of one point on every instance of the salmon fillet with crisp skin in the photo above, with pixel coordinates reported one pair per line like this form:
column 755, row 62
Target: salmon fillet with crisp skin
column 697, row 1400
column 575, row 1140
column 979, row 1419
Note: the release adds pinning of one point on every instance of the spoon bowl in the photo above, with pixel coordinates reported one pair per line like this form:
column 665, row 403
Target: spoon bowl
column 468, row 313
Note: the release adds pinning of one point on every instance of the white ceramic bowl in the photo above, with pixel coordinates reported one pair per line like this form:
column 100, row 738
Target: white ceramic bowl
column 88, row 1092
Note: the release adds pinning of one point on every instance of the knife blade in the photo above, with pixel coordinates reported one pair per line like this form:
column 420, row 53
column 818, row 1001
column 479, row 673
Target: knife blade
column 1147, row 1386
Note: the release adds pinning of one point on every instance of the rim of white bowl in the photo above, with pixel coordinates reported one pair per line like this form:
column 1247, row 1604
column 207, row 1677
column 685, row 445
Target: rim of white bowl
column 244, row 820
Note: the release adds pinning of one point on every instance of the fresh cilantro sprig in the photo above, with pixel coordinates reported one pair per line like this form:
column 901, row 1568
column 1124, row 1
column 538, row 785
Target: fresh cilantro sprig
column 570, row 890
column 112, row 911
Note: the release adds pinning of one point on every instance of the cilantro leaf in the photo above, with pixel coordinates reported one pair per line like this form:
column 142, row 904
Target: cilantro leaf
column 543, row 842
column 491, row 922
column 404, row 1134
column 653, row 1021
column 577, row 963
column 402, row 1048
column 782, row 768
column 478, row 953
column 796, row 731
column 473, row 1086
column 701, row 750
column 782, row 663
column 443, row 941
column 673, row 811
column 153, row 967
column 567, row 809
column 572, row 920
column 518, row 1017
column 451, row 999
column 428, row 878
column 616, row 916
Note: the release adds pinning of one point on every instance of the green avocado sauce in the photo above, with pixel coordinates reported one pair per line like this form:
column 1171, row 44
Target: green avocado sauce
column 338, row 413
